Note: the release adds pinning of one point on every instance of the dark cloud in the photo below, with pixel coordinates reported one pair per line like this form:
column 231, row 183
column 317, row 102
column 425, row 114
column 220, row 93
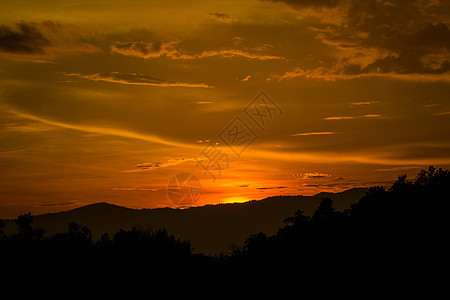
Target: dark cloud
column 70, row 203
column 26, row 39
column 47, row 38
column 328, row 185
column 306, row 3
column 147, row 166
column 383, row 38
column 272, row 188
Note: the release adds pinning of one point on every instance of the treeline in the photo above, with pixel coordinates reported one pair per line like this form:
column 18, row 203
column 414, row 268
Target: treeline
column 400, row 229
column 75, row 253
column 394, row 231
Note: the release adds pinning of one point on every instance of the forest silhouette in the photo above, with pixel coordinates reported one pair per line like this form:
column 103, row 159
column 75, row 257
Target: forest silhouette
column 398, row 230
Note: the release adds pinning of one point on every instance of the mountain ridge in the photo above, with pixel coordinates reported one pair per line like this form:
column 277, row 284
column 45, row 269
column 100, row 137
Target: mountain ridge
column 210, row 228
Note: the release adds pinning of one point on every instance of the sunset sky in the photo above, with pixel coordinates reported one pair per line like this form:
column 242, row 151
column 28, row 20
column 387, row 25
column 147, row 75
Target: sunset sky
column 108, row 100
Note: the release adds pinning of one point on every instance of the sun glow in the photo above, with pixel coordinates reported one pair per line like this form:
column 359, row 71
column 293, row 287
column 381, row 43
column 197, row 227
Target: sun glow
column 236, row 199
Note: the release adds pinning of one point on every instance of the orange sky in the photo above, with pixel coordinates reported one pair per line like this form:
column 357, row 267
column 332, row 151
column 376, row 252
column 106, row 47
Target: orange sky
column 108, row 100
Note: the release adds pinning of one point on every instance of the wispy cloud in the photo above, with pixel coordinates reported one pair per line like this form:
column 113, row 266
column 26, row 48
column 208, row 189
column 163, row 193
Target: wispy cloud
column 221, row 17
column 201, row 102
column 101, row 130
column 124, row 189
column 170, row 50
column 135, row 189
column 444, row 113
column 354, row 117
column 158, row 165
column 363, row 103
column 313, row 133
column 431, row 105
column 246, row 78
column 330, row 74
column 272, row 188
column 146, row 49
column 311, row 175
column 57, row 204
column 135, row 79
column 33, row 127
column 397, row 168
column 227, row 53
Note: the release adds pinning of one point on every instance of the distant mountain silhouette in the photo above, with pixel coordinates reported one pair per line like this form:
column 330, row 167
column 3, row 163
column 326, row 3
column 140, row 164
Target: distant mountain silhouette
column 211, row 228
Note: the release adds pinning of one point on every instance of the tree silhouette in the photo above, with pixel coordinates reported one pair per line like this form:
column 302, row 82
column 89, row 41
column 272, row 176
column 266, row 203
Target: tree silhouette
column 385, row 229
column 104, row 242
column 298, row 219
column 255, row 243
column 79, row 234
column 325, row 211
column 153, row 242
column 23, row 223
column 2, row 227
column 402, row 185
column 26, row 231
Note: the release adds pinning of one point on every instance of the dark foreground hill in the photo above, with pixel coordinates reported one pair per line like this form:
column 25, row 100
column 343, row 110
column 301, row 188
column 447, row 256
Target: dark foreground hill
column 211, row 228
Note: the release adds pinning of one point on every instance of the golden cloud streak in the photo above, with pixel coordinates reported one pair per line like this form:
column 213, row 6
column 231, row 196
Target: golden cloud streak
column 112, row 79
column 313, row 133
column 104, row 130
column 328, row 74
column 148, row 50
column 354, row 117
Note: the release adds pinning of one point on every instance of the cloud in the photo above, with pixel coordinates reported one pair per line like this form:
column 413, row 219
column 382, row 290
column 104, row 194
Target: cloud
column 397, row 168
column 431, row 105
column 272, row 188
column 101, row 130
column 334, row 73
column 354, row 117
column 300, row 4
column 170, row 163
column 221, row 17
column 313, row 133
column 311, row 175
column 201, row 102
column 57, row 204
column 28, row 128
column 45, row 39
column 227, row 53
column 145, row 49
column 444, row 113
column 363, row 103
column 401, row 39
column 246, row 78
column 135, row 79
column 136, row 189
column 27, row 39
column 170, row 50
